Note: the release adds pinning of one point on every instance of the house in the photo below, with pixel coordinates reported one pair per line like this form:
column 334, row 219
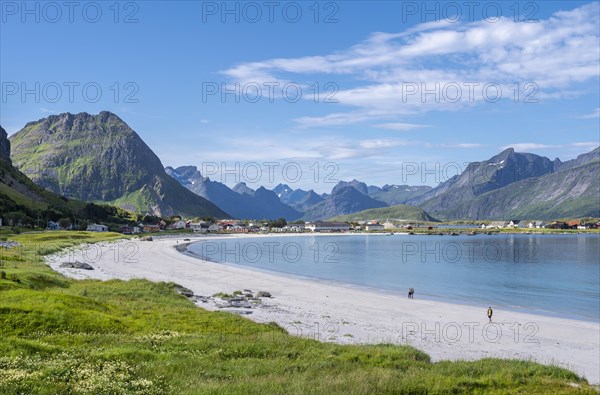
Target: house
column 53, row 225
column 201, row 226
column 294, row 228
column 574, row 224
column 97, row 228
column 496, row 224
column 513, row 223
column 129, row 230
column 558, row 225
column 204, row 227
column 178, row 225
column 151, row 228
column 536, row 224
column 321, row 226
column 370, row 226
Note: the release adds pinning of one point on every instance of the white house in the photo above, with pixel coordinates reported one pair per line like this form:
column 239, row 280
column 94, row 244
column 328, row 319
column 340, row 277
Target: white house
column 97, row 228
column 177, row 225
column 204, row 227
column 294, row 228
column 320, row 226
column 374, row 226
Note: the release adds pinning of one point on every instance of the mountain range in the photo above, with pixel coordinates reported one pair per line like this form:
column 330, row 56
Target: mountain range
column 99, row 158
column 239, row 202
column 518, row 185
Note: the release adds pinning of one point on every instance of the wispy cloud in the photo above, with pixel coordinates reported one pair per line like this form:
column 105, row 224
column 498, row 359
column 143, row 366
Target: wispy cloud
column 400, row 126
column 594, row 114
column 463, row 145
column 380, row 72
column 524, row 147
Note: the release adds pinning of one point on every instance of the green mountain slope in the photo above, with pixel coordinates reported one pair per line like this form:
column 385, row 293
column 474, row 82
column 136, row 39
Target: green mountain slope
column 100, row 158
column 399, row 212
column 516, row 185
column 572, row 193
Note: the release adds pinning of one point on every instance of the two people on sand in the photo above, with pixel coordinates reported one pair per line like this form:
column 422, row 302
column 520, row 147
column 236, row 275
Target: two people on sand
column 411, row 295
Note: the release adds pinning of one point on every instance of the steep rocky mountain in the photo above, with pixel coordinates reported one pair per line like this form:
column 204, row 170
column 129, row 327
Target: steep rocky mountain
column 243, row 189
column 343, row 200
column 283, row 192
column 309, row 200
column 518, row 185
column 100, row 158
column 240, row 202
column 299, row 199
column 481, row 177
column 4, row 146
column 579, row 161
column 358, row 185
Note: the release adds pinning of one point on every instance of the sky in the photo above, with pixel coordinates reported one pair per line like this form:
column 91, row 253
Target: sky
column 308, row 93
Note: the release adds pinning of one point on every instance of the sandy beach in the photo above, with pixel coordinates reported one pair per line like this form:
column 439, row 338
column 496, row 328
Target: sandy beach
column 347, row 314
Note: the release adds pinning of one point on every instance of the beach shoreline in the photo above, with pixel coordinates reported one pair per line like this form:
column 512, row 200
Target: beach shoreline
column 346, row 314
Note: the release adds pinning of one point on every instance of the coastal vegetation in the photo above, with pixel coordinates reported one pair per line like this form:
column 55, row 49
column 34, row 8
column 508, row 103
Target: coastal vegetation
column 139, row 337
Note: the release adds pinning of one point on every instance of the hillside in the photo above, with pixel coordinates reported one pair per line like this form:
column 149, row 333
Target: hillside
column 572, row 193
column 518, row 185
column 19, row 194
column 397, row 212
column 100, row 158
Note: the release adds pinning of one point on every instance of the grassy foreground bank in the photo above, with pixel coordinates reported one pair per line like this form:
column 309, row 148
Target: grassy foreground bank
column 61, row 336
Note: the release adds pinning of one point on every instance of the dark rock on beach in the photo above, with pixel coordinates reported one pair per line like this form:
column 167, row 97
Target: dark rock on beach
column 76, row 265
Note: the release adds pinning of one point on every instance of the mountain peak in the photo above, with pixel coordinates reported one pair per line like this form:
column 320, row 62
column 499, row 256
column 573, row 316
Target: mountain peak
column 100, row 158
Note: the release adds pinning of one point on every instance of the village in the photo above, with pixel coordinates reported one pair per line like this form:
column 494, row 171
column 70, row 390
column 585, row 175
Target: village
column 281, row 226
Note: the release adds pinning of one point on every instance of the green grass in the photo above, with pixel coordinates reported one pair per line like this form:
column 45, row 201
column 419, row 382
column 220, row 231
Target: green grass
column 61, row 336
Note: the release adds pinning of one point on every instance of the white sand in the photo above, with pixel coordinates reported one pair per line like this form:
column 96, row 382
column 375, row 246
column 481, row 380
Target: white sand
column 345, row 314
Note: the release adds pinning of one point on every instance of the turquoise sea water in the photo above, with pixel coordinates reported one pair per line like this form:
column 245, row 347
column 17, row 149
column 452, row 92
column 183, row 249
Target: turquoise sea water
column 556, row 275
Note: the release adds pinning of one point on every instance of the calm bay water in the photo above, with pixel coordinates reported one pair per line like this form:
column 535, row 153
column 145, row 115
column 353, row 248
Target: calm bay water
column 556, row 275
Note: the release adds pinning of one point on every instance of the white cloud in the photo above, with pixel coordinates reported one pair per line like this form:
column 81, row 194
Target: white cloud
column 558, row 54
column 592, row 115
column 400, row 126
column 463, row 145
column 524, row 147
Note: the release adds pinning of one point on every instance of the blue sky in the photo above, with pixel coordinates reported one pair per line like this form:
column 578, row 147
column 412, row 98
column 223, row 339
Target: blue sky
column 163, row 67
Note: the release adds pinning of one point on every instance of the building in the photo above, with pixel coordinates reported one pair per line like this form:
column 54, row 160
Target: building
column 151, row 228
column 97, row 228
column 178, row 225
column 321, row 226
column 129, row 230
column 204, row 227
column 294, row 228
column 370, row 226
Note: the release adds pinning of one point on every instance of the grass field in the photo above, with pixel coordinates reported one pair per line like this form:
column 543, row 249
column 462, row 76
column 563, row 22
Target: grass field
column 61, row 336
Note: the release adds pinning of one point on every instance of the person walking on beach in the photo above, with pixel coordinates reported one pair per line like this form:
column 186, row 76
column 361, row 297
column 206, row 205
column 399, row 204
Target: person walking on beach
column 411, row 293
column 490, row 312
